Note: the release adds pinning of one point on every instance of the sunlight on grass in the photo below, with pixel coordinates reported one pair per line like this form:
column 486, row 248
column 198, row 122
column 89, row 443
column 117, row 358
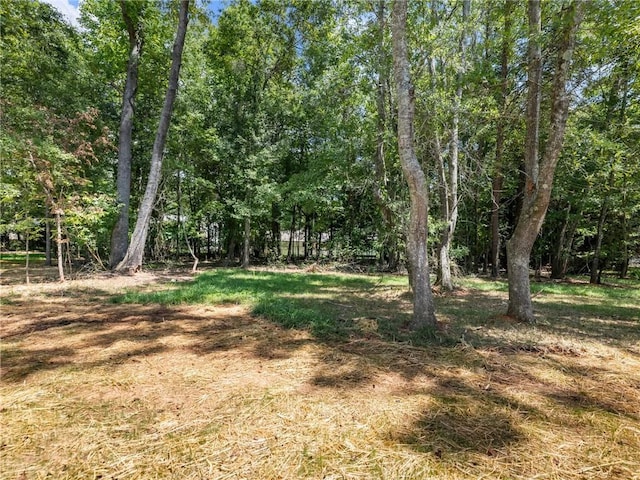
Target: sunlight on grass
column 294, row 300
column 620, row 290
column 345, row 391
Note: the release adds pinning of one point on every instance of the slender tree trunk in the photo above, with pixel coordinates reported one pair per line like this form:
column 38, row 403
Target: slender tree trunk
column 380, row 184
column 120, row 232
column 47, row 238
column 194, row 268
column 232, row 240
column 26, row 261
column 450, row 207
column 135, row 253
column 275, row 230
column 178, row 219
column 558, row 260
column 209, row 226
column 423, row 306
column 58, row 217
column 498, row 177
column 539, row 173
column 496, row 197
column 292, row 230
column 624, row 264
column 595, row 263
column 246, row 244
column 307, row 235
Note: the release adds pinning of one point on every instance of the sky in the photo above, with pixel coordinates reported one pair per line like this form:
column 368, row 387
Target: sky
column 69, row 8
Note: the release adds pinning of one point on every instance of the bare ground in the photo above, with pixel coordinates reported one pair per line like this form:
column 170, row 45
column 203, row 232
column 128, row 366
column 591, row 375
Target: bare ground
column 92, row 389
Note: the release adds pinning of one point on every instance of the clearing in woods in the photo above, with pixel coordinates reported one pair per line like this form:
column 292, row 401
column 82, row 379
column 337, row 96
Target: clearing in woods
column 287, row 375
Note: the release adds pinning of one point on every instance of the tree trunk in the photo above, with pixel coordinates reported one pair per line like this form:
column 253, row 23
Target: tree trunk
column 595, row 264
column 307, row 235
column 47, row 238
column 380, row 184
column 450, row 181
column 26, row 261
column 558, row 260
column 246, row 244
column 624, row 264
column 423, row 306
column 178, row 217
column 231, row 241
column 496, row 194
column 498, row 177
column 194, row 268
column 539, row 173
column 120, row 232
column 58, row 217
column 275, row 230
column 290, row 251
column 133, row 258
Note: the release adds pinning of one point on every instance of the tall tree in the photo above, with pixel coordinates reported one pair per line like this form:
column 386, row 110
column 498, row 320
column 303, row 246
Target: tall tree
column 539, row 171
column 423, row 306
column 498, row 175
column 449, row 171
column 135, row 252
column 120, row 233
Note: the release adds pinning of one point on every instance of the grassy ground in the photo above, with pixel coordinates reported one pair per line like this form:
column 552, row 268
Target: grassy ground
column 276, row 375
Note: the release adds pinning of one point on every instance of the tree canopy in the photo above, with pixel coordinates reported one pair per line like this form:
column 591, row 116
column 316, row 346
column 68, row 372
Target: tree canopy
column 283, row 142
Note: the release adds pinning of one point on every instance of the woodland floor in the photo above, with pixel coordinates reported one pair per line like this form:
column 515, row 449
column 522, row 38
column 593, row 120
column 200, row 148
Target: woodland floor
column 93, row 389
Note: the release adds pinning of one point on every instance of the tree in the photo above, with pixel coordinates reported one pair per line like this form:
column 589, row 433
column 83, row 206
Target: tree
column 449, row 170
column 498, row 175
column 423, row 306
column 539, row 171
column 135, row 252
column 52, row 136
column 120, row 233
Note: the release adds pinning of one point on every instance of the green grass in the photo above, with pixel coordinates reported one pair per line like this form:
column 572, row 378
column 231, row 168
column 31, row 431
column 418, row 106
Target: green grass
column 614, row 290
column 19, row 258
column 336, row 306
column 326, row 304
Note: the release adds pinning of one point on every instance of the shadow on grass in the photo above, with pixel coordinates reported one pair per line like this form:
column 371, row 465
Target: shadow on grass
column 464, row 418
column 331, row 307
column 360, row 323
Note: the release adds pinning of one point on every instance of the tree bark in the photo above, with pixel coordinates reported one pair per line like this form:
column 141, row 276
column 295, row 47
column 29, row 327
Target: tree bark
column 290, row 252
column 388, row 257
column 120, row 232
column 135, row 253
column 194, row 268
column 539, row 173
column 498, row 177
column 179, row 215
column 47, row 238
column 423, row 306
column 450, row 206
column 558, row 260
column 246, row 244
column 26, row 261
column 595, row 263
column 58, row 217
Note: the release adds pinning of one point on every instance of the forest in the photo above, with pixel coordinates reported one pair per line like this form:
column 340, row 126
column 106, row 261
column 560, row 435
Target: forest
column 286, row 239
column 283, row 139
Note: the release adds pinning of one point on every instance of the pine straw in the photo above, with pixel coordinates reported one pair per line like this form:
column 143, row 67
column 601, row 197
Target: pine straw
column 92, row 390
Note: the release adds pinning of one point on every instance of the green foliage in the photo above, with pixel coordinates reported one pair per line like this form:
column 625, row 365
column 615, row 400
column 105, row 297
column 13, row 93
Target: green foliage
column 52, row 139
